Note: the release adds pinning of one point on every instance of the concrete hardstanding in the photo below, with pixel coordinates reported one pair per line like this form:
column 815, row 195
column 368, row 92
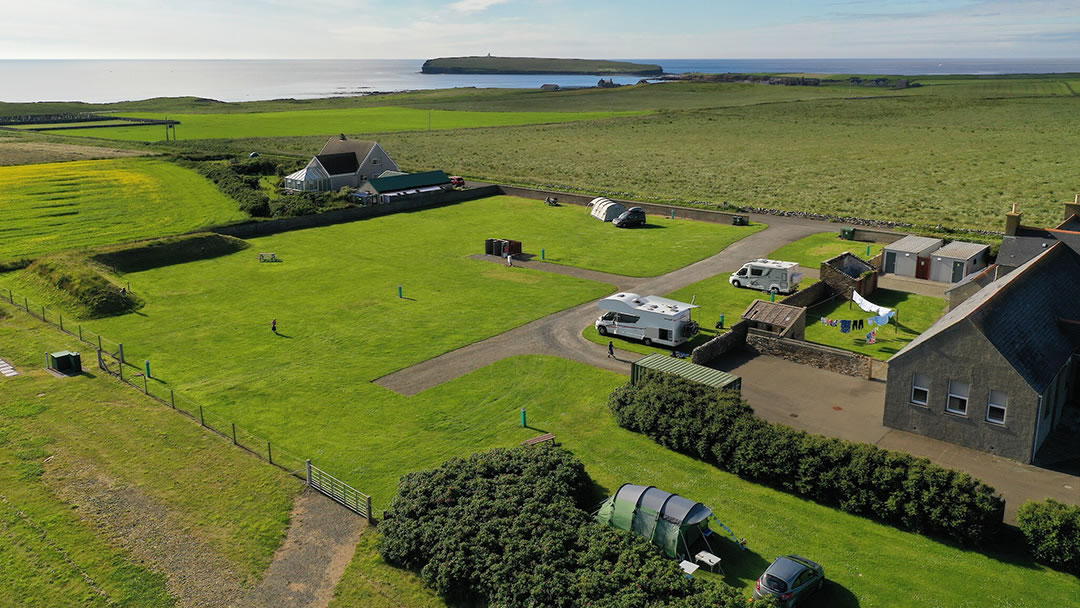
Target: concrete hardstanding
column 963, row 354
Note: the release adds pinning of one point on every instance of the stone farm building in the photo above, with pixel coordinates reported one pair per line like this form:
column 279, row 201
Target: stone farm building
column 342, row 163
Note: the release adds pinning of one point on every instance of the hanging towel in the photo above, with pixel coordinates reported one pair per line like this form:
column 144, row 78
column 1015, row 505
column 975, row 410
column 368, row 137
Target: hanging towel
column 868, row 306
column 845, row 326
column 880, row 320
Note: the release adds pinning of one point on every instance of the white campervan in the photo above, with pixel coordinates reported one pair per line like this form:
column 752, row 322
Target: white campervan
column 651, row 319
column 768, row 275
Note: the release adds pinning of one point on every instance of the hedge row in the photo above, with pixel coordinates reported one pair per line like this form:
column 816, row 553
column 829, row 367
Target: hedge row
column 504, row 528
column 1052, row 530
column 244, row 189
column 892, row 487
column 241, row 181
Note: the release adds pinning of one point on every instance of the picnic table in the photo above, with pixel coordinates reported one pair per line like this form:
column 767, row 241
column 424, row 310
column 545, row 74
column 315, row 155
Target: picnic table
column 268, row 257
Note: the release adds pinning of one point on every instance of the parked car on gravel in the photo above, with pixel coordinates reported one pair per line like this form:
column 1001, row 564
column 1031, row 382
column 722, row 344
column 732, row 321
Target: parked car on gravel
column 790, row 579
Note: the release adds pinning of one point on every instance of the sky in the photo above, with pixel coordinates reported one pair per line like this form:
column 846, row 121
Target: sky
column 614, row 29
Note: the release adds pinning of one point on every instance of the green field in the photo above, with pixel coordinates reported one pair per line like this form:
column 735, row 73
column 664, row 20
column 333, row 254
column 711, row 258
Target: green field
column 330, row 122
column 811, row 251
column 57, row 206
column 59, row 437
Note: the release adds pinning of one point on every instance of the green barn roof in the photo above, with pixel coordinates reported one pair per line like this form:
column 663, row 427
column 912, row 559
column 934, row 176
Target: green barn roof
column 685, row 369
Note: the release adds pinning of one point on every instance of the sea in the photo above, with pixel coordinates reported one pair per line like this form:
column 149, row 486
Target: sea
column 102, row 81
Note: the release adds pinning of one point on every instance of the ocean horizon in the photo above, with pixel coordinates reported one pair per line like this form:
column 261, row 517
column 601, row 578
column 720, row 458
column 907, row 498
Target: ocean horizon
column 112, row 80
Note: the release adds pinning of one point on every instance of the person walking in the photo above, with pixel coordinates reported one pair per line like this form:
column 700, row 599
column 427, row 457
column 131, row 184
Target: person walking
column 509, row 260
column 273, row 326
column 610, row 349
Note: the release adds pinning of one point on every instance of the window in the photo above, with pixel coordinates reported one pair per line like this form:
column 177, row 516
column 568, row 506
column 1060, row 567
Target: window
column 920, row 389
column 609, row 316
column 995, row 409
column 742, row 272
column 631, row 319
column 755, row 272
column 958, row 398
column 374, row 161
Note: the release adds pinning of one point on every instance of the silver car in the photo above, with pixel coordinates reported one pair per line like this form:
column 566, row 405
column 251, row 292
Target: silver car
column 791, row 579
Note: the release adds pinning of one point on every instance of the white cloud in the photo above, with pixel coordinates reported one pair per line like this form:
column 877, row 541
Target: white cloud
column 475, row 6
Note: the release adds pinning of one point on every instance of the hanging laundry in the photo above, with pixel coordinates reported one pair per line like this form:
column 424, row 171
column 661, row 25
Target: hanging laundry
column 845, row 326
column 868, row 306
column 871, row 338
column 824, row 321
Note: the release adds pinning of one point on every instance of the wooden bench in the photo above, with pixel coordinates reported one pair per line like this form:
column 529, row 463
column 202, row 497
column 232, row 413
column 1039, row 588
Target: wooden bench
column 540, row 439
column 268, row 257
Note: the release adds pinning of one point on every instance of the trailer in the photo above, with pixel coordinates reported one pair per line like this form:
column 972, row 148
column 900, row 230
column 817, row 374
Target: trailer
column 768, row 275
column 651, row 319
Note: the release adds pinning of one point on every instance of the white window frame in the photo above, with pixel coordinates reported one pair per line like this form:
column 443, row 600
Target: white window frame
column 914, row 386
column 966, row 398
column 1004, row 407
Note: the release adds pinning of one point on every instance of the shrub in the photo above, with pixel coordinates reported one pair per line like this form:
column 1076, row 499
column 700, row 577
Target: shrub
column 144, row 255
column 243, row 189
column 504, row 527
column 896, row 488
column 1052, row 530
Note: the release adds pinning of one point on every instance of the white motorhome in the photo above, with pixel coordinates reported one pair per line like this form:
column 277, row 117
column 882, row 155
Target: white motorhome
column 768, row 275
column 651, row 319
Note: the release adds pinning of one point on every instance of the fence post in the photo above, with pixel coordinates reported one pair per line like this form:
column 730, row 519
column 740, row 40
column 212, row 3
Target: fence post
column 122, row 353
column 309, row 471
column 99, row 342
column 11, row 296
column 172, row 399
column 145, row 388
column 43, row 314
column 26, row 304
column 80, row 333
column 367, row 501
column 120, row 368
column 61, row 322
column 202, row 420
column 269, row 454
column 234, row 434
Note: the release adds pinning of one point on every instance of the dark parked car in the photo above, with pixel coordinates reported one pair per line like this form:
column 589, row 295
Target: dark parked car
column 634, row 216
column 791, row 579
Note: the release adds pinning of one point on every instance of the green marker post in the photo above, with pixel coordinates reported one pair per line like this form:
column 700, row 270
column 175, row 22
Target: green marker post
column 523, row 423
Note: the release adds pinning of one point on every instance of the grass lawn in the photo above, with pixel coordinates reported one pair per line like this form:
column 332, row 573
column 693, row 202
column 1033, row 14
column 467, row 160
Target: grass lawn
column 56, row 206
column 869, row 564
column 54, row 433
column 811, row 251
column 915, row 314
column 327, row 122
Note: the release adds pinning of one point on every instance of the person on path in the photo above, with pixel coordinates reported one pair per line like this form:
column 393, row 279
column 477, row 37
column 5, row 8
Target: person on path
column 509, row 260
column 610, row 349
column 273, row 326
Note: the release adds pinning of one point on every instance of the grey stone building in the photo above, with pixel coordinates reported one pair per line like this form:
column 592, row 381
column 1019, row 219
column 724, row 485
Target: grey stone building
column 1000, row 371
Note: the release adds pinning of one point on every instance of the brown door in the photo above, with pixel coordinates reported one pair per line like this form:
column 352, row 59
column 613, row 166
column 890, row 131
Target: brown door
column 922, row 268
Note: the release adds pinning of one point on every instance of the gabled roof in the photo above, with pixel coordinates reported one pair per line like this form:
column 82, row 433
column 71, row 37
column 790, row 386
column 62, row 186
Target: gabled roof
column 960, row 250
column 409, row 181
column 913, row 244
column 773, row 313
column 1016, row 250
column 1025, row 315
column 359, row 148
column 338, row 164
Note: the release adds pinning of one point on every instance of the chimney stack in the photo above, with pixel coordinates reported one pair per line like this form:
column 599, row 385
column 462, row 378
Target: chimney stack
column 1073, row 208
column 1012, row 221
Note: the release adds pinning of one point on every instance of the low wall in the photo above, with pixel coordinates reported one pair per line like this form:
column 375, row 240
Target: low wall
column 734, row 339
column 869, row 235
column 809, row 296
column 352, row 214
column 807, row 353
column 703, row 215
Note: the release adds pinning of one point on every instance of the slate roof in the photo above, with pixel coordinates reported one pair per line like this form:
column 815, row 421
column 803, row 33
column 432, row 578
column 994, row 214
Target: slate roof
column 359, row 148
column 408, row 182
column 960, row 250
column 913, row 244
column 1017, row 250
column 338, row 164
column 1025, row 316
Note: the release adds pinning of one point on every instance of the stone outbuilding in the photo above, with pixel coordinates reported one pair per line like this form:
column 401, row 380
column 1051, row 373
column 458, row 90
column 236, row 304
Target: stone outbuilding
column 1000, row 371
column 776, row 318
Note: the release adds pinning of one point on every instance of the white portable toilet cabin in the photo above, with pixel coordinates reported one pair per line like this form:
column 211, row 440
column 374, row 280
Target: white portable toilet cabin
column 910, row 256
column 605, row 209
column 958, row 259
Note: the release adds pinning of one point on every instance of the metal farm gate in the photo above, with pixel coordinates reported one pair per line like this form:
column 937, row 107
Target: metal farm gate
column 339, row 491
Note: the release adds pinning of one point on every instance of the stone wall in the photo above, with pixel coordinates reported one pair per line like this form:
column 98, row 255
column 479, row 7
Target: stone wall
column 869, row 235
column 807, row 353
column 809, row 296
column 731, row 341
column 352, row 214
column 703, row 215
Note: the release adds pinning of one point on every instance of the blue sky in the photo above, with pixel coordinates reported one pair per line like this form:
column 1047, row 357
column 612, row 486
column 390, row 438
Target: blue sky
column 360, row 29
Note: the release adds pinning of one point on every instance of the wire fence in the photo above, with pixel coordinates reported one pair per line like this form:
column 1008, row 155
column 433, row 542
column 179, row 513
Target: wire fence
column 112, row 360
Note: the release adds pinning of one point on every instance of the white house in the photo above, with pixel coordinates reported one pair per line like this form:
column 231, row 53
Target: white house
column 342, row 163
